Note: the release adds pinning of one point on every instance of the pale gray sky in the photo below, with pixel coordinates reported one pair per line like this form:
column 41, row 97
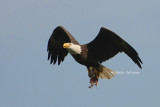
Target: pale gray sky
column 28, row 80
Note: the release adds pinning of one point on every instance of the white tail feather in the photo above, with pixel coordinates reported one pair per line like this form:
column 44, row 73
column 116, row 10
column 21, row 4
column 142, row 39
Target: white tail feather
column 106, row 73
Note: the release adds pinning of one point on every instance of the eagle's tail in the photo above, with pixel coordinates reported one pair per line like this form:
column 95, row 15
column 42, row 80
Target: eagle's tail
column 106, row 73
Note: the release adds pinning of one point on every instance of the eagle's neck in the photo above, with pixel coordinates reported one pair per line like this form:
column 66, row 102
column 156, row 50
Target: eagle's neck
column 74, row 49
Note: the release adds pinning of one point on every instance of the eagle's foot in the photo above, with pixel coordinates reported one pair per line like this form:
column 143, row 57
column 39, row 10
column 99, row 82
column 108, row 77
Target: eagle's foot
column 93, row 81
column 94, row 75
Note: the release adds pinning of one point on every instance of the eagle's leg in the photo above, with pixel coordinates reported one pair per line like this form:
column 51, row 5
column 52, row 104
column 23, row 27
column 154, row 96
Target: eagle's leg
column 94, row 75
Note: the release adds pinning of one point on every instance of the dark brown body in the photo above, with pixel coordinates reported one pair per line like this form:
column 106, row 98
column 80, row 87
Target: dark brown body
column 86, row 58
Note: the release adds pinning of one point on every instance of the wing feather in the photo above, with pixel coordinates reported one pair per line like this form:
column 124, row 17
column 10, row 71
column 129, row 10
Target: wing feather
column 107, row 44
column 55, row 44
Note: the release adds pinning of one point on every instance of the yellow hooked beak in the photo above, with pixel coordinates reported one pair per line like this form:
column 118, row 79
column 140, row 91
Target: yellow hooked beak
column 66, row 45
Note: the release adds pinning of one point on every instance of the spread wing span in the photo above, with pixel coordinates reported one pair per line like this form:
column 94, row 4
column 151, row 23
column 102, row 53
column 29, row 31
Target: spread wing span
column 107, row 44
column 55, row 44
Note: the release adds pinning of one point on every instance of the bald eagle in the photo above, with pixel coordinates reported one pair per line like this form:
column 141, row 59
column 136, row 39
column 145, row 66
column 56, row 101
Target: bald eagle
column 106, row 45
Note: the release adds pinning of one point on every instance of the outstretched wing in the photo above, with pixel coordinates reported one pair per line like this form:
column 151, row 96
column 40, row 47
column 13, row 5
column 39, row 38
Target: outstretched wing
column 107, row 44
column 55, row 44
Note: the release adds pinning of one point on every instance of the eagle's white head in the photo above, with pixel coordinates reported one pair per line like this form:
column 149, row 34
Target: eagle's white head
column 72, row 48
